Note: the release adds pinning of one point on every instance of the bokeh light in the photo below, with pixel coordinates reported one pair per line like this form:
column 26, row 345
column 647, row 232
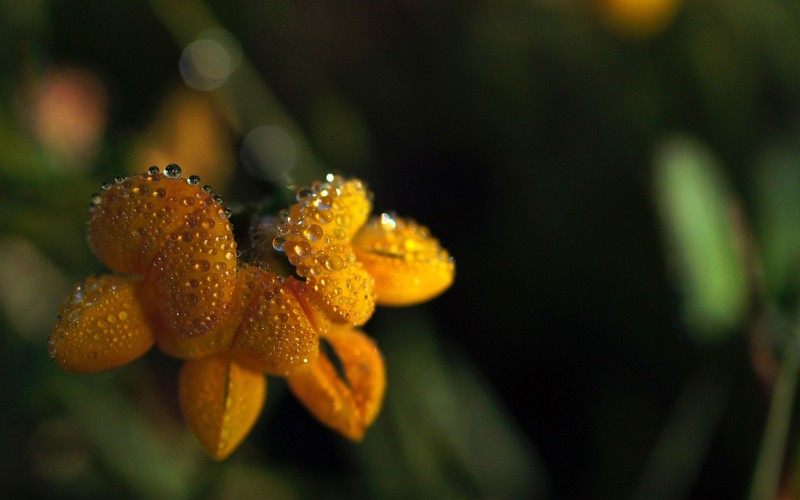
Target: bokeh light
column 268, row 152
column 209, row 61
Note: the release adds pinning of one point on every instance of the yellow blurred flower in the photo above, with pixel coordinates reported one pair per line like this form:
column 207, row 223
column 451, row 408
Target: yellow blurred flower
column 189, row 129
column 638, row 18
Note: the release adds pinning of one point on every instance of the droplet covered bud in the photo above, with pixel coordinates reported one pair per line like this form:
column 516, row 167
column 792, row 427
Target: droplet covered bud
column 170, row 232
column 315, row 234
column 101, row 326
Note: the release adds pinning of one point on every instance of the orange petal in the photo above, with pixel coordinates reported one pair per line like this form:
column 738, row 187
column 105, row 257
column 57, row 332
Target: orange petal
column 101, row 326
column 325, row 213
column 349, row 291
column 250, row 282
column 409, row 265
column 221, row 401
column 175, row 234
column 315, row 234
column 276, row 334
column 347, row 406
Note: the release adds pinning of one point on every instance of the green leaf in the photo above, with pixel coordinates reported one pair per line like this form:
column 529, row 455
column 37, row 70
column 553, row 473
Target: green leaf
column 697, row 212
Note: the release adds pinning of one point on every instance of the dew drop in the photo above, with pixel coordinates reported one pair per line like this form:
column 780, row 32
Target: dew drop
column 302, row 249
column 154, row 170
column 388, row 222
column 194, row 180
column 201, row 265
column 106, row 185
column 295, row 216
column 119, row 179
column 173, row 171
column 334, row 263
column 324, row 202
column 278, row 242
column 313, row 233
column 303, row 194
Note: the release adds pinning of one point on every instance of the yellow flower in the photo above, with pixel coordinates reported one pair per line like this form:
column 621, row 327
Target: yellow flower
column 180, row 286
column 638, row 18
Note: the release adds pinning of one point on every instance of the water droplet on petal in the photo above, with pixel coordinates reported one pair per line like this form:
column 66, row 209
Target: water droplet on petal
column 313, row 233
column 334, row 263
column 173, row 171
column 302, row 249
column 388, row 222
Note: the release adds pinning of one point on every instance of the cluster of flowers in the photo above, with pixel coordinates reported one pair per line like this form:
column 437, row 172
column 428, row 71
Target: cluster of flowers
column 178, row 283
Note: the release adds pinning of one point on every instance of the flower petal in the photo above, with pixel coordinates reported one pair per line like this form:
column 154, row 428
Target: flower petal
column 221, row 401
column 348, row 292
column 249, row 285
column 100, row 326
column 348, row 406
column 276, row 334
column 409, row 265
column 326, row 213
column 315, row 233
column 177, row 236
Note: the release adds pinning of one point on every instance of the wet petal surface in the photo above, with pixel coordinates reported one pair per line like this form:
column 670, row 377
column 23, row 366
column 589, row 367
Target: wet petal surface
column 221, row 401
column 101, row 326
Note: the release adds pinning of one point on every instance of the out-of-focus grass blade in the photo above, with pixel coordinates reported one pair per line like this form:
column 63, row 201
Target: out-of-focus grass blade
column 443, row 434
column 149, row 466
column 777, row 204
column 674, row 464
column 696, row 210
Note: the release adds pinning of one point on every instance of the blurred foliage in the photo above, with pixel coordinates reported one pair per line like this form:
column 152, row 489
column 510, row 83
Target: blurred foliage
column 699, row 216
column 536, row 139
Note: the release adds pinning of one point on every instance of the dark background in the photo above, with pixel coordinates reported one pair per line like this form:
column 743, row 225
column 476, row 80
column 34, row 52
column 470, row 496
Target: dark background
column 521, row 133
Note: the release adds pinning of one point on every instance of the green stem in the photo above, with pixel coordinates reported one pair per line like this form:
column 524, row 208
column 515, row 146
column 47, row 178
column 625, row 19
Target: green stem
column 766, row 477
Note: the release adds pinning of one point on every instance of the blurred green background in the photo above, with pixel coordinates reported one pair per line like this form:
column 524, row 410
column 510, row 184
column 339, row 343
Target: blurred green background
column 617, row 180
